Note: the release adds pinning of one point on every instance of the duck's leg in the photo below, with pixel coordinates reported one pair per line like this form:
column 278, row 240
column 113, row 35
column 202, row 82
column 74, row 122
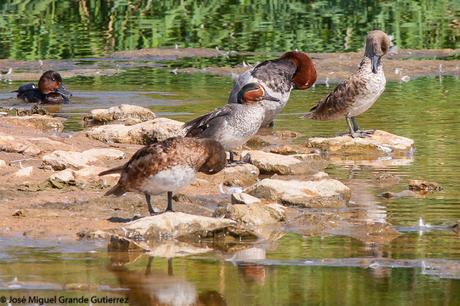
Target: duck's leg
column 148, row 199
column 170, row 266
column 351, row 129
column 148, row 269
column 363, row 133
column 169, row 208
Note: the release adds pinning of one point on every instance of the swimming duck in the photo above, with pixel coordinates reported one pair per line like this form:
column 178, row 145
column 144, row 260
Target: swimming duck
column 279, row 76
column 167, row 166
column 356, row 95
column 50, row 90
column 233, row 124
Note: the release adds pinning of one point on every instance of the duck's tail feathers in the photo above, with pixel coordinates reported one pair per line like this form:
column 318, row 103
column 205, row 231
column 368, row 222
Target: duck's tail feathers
column 308, row 115
column 116, row 190
column 112, row 171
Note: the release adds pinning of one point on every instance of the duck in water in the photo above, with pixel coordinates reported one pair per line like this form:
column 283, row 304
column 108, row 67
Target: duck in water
column 279, row 76
column 167, row 166
column 50, row 90
column 359, row 92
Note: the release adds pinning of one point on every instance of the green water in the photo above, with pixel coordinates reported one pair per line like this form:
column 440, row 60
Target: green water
column 338, row 269
column 426, row 110
column 43, row 29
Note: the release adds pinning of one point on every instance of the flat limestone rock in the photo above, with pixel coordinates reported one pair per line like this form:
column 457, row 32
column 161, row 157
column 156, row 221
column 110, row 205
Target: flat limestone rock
column 256, row 214
column 244, row 198
column 380, row 143
column 173, row 225
column 124, row 113
column 60, row 160
column 30, row 145
column 238, row 175
column 141, row 133
column 313, row 194
column 271, row 163
column 40, row 122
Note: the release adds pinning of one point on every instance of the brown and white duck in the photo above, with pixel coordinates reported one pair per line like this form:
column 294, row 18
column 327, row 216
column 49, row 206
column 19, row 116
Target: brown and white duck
column 279, row 76
column 50, row 90
column 167, row 166
column 359, row 92
column 233, row 124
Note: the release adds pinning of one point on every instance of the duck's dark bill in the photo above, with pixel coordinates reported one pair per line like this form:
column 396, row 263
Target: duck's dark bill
column 375, row 61
column 64, row 92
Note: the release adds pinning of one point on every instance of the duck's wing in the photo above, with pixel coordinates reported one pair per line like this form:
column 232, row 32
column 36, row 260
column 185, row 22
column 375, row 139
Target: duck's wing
column 338, row 102
column 26, row 87
column 200, row 126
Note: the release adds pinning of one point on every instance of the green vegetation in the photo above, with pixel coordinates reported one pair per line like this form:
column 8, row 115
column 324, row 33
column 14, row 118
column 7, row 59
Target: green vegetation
column 42, row 29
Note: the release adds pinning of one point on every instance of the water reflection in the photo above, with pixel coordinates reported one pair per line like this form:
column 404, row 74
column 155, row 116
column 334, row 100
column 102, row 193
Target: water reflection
column 157, row 287
column 71, row 29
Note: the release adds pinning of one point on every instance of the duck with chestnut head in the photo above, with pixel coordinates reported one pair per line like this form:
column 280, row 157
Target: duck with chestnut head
column 359, row 92
column 50, row 90
column 293, row 70
column 233, row 124
column 164, row 167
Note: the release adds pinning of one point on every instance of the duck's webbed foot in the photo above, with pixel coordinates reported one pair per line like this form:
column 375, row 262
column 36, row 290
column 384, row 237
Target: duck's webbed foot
column 355, row 131
column 152, row 210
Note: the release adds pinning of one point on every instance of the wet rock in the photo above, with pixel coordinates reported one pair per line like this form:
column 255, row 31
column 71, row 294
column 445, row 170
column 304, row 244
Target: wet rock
column 60, row 160
column 380, row 143
column 296, row 149
column 146, row 132
column 270, row 163
column 256, row 214
column 238, row 175
column 376, row 233
column 244, row 198
column 424, row 186
column 62, row 178
column 125, row 113
column 176, row 225
column 40, row 122
column 387, row 179
column 85, row 234
column 401, row 194
column 322, row 193
column 168, row 53
column 26, row 171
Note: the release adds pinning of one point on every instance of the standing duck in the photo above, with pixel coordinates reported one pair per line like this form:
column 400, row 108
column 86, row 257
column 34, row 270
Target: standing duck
column 50, row 90
column 167, row 166
column 356, row 95
column 233, row 124
column 279, row 76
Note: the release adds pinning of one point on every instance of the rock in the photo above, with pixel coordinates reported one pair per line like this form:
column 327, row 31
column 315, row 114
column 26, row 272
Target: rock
column 401, row 194
column 270, row 163
column 18, row 213
column 238, row 175
column 244, row 198
column 40, row 122
column 143, row 133
column 12, row 144
column 2, row 163
column 424, row 186
column 124, row 113
column 62, row 178
column 107, row 153
column 175, row 225
column 322, row 193
column 319, row 176
column 386, row 178
column 256, row 214
column 380, row 143
column 295, row 149
column 27, row 171
column 60, row 160
column 90, row 176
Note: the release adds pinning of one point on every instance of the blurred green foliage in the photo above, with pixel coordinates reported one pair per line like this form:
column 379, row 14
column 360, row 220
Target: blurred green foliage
column 39, row 29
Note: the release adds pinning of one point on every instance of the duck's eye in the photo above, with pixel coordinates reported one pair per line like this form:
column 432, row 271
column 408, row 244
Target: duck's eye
column 53, row 79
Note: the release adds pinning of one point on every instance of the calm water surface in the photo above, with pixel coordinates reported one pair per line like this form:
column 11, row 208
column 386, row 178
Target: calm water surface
column 295, row 270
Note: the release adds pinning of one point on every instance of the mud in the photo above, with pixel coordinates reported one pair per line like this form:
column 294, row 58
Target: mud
column 403, row 66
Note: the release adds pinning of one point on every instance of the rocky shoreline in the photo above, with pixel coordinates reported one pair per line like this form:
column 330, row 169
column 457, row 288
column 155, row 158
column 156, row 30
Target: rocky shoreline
column 51, row 189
